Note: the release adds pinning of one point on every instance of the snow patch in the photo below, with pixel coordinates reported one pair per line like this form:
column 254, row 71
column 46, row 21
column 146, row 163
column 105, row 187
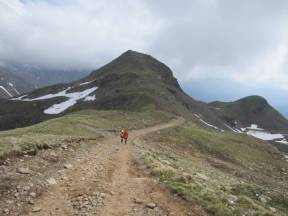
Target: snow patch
column 73, row 98
column 283, row 141
column 5, row 90
column 17, row 92
column 19, row 98
column 85, row 83
column 90, row 98
column 254, row 127
column 206, row 123
column 12, row 86
column 232, row 129
column 260, row 133
column 264, row 135
column 49, row 96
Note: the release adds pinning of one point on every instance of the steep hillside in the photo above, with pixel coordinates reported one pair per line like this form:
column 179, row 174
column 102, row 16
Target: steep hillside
column 12, row 85
column 133, row 81
column 251, row 110
column 137, row 82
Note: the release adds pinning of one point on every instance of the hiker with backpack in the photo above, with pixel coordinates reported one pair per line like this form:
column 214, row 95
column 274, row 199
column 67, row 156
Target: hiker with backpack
column 124, row 136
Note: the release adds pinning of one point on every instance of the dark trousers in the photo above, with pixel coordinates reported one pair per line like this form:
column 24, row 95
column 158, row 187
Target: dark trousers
column 125, row 139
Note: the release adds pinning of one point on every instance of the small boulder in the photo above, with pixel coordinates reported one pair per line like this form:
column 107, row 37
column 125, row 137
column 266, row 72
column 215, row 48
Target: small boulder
column 272, row 209
column 151, row 205
column 51, row 181
column 26, row 188
column 232, row 199
column 68, row 166
column 32, row 194
column 138, row 201
column 202, row 176
column 22, row 170
column 263, row 199
column 36, row 209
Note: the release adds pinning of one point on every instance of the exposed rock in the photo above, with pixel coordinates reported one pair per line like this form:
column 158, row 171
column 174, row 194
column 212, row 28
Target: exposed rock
column 9, row 201
column 102, row 195
column 68, row 166
column 138, row 201
column 26, row 188
column 36, row 209
column 22, row 170
column 51, row 181
column 53, row 154
column 6, row 211
column 272, row 209
column 33, row 194
column 232, row 199
column 264, row 199
column 64, row 147
column 151, row 205
column 201, row 176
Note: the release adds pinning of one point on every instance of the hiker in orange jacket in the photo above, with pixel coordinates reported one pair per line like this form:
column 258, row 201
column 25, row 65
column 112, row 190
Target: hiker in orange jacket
column 124, row 136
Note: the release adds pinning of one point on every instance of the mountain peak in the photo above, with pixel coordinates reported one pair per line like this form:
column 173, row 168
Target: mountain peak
column 254, row 101
column 133, row 52
column 137, row 64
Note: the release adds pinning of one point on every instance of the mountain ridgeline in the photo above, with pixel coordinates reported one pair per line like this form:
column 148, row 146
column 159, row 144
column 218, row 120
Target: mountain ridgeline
column 12, row 85
column 135, row 82
column 251, row 110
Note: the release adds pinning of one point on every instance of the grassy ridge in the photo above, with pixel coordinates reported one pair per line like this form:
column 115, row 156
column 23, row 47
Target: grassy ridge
column 226, row 173
column 79, row 125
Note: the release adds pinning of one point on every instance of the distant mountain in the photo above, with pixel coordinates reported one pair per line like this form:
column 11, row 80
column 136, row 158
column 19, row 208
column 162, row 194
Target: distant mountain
column 136, row 81
column 41, row 76
column 12, row 85
column 133, row 81
column 251, row 110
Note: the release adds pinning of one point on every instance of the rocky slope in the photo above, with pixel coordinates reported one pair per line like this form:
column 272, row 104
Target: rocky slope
column 251, row 110
column 133, row 81
column 12, row 85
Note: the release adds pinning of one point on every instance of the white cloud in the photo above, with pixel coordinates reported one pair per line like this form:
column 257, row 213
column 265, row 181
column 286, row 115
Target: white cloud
column 75, row 33
column 244, row 41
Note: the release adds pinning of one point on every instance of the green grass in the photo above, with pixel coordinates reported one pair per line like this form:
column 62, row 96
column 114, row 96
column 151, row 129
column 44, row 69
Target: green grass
column 209, row 167
column 83, row 124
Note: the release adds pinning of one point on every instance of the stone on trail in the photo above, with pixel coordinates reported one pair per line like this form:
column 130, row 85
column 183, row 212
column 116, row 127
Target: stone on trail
column 36, row 209
column 51, row 181
column 32, row 194
column 151, row 205
column 68, row 166
column 22, row 170
column 31, row 202
column 138, row 201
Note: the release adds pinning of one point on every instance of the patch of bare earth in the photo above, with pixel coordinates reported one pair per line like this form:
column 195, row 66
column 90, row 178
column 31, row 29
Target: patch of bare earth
column 100, row 180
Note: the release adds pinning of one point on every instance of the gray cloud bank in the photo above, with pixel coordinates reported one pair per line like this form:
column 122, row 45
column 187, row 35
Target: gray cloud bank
column 233, row 41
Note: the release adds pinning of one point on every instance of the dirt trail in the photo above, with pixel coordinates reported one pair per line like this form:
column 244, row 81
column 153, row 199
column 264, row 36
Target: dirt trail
column 106, row 182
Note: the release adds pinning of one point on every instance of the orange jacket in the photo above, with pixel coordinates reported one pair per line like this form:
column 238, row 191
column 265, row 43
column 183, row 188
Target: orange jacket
column 125, row 135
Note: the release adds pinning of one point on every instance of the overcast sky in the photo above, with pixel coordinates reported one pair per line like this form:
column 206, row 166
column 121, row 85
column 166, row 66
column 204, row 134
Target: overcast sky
column 218, row 49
